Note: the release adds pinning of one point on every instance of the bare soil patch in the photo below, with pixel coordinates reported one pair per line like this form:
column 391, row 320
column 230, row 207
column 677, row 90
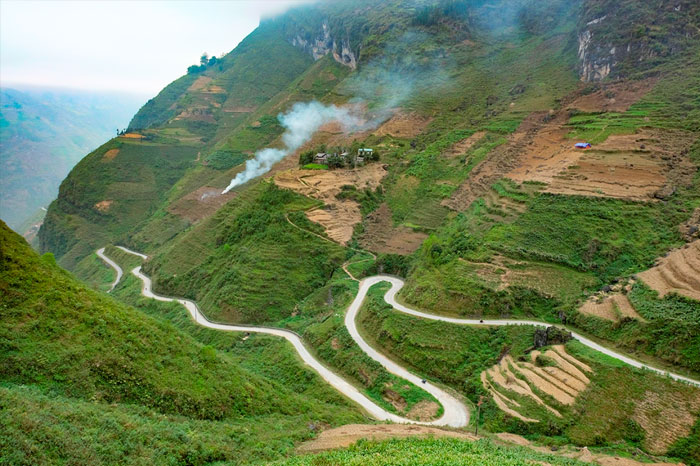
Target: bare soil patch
column 424, row 410
column 103, row 206
column 678, row 272
column 638, row 166
column 581, row 454
column 464, row 145
column 562, row 352
column 513, row 438
column 382, row 236
column 403, row 125
column 132, row 136
column 501, row 160
column 200, row 204
column 345, row 436
column 197, row 113
column 666, row 418
column 110, row 154
column 642, row 166
column 563, row 381
column 200, row 83
column 611, row 307
column 614, row 97
column 238, row 109
column 339, row 216
column 503, row 402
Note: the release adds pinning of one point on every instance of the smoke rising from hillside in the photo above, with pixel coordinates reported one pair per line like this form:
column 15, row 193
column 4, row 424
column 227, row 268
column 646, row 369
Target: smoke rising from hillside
column 300, row 123
column 382, row 86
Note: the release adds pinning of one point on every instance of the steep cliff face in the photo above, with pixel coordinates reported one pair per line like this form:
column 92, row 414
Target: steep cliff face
column 322, row 43
column 619, row 38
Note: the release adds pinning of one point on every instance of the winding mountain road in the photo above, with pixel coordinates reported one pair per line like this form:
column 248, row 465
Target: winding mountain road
column 101, row 254
column 455, row 413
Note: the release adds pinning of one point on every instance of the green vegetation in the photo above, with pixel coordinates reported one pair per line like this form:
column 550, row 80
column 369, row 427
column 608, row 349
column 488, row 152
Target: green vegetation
column 72, row 355
column 603, row 414
column 43, row 428
column 44, row 133
column 333, row 344
column 600, row 415
column 249, row 264
column 159, row 109
column 315, row 166
column 608, row 237
column 457, row 358
column 130, row 187
column 669, row 330
column 688, row 448
column 453, row 68
column 319, row 318
column 223, row 160
column 430, row 451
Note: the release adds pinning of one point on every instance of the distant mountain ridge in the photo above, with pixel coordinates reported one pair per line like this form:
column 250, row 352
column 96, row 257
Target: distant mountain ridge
column 43, row 133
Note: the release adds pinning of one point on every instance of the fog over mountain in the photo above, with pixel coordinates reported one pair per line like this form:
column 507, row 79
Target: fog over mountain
column 43, row 134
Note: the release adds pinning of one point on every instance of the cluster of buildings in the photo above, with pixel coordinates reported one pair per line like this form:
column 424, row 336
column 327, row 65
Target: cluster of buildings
column 322, row 157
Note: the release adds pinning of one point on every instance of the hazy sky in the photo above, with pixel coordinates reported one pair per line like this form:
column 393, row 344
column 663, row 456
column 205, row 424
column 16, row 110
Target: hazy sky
column 135, row 46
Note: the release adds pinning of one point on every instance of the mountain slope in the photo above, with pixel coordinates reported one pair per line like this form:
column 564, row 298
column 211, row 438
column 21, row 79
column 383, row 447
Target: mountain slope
column 68, row 349
column 479, row 198
column 43, row 134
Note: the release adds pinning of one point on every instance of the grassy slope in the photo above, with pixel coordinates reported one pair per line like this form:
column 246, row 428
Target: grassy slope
column 247, row 263
column 140, row 180
column 135, row 181
column 318, row 318
column 484, row 76
column 75, row 352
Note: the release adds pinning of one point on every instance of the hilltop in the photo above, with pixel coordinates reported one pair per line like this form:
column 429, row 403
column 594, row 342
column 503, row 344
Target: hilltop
column 479, row 199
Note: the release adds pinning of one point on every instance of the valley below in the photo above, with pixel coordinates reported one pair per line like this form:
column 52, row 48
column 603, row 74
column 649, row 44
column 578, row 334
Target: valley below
column 430, row 232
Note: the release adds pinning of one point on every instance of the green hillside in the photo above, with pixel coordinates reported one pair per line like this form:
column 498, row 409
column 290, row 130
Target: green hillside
column 479, row 200
column 70, row 353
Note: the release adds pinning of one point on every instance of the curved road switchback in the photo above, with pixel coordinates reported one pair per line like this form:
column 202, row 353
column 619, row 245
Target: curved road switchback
column 101, row 254
column 397, row 284
column 455, row 413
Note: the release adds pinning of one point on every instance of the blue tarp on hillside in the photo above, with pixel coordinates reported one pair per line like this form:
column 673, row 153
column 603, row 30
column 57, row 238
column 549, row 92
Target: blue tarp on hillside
column 583, row 145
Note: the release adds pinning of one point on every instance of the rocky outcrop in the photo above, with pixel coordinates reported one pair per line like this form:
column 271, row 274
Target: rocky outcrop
column 616, row 39
column 550, row 336
column 323, row 43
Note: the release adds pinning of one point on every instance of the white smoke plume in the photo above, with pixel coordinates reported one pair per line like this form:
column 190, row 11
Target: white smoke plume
column 300, row 123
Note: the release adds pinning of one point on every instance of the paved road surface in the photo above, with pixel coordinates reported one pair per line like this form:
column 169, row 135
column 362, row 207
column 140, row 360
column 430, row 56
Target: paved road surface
column 114, row 265
column 455, row 413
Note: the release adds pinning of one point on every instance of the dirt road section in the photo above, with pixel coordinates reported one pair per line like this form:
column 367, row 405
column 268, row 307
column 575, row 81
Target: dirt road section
column 345, row 436
column 678, row 272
